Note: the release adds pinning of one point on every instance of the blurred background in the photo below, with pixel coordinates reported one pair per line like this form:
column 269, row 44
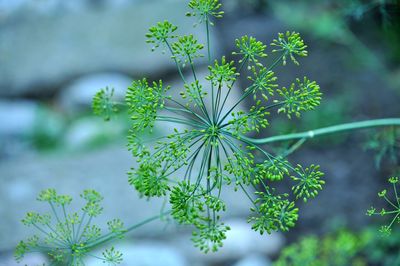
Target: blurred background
column 55, row 54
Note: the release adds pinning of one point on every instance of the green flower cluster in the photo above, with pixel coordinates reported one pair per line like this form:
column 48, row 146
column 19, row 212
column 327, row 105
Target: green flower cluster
column 68, row 237
column 191, row 166
column 102, row 104
column 393, row 201
column 290, row 44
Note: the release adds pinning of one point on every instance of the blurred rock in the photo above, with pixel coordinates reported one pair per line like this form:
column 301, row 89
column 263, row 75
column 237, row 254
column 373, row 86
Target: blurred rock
column 78, row 95
column 85, row 132
column 240, row 241
column 253, row 260
column 40, row 53
column 146, row 253
column 30, row 259
column 17, row 118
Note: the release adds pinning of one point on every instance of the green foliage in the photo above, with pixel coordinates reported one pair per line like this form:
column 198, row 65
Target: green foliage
column 68, row 237
column 186, row 49
column 103, row 105
column 308, row 182
column 222, row 74
column 160, row 33
column 290, row 44
column 213, row 151
column 273, row 212
column 273, row 170
column 301, row 96
column 250, row 50
column 393, row 201
column 204, row 9
column 264, row 82
column 343, row 248
column 243, row 122
column 209, row 237
column 143, row 102
column 382, row 250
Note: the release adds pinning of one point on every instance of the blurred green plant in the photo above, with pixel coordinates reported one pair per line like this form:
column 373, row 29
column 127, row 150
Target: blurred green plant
column 386, row 144
column 383, row 249
column 342, row 248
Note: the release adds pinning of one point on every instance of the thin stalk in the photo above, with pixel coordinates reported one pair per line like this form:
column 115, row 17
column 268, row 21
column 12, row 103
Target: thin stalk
column 390, row 202
column 80, row 225
column 201, row 105
column 397, row 197
column 293, row 148
column 209, row 63
column 394, row 219
column 229, row 91
column 240, row 184
column 178, row 110
column 85, row 227
column 249, row 89
column 217, row 102
column 167, row 167
column 179, row 121
column 268, row 155
column 189, row 110
column 176, row 62
column 61, row 239
column 327, row 130
column 111, row 236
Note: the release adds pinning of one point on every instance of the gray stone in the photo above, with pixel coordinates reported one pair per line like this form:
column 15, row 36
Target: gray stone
column 146, row 253
column 17, row 118
column 65, row 45
column 78, row 95
column 254, row 260
column 84, row 132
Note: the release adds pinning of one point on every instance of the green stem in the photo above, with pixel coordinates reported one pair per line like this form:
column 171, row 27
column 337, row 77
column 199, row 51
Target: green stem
column 327, row 130
column 110, row 236
column 209, row 63
column 249, row 89
column 229, row 90
column 201, row 103
column 188, row 110
column 176, row 62
column 179, row 121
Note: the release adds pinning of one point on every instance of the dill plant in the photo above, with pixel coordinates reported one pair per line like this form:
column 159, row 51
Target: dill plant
column 67, row 237
column 215, row 150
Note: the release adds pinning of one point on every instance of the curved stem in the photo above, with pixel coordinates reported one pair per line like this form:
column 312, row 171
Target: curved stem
column 328, row 130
